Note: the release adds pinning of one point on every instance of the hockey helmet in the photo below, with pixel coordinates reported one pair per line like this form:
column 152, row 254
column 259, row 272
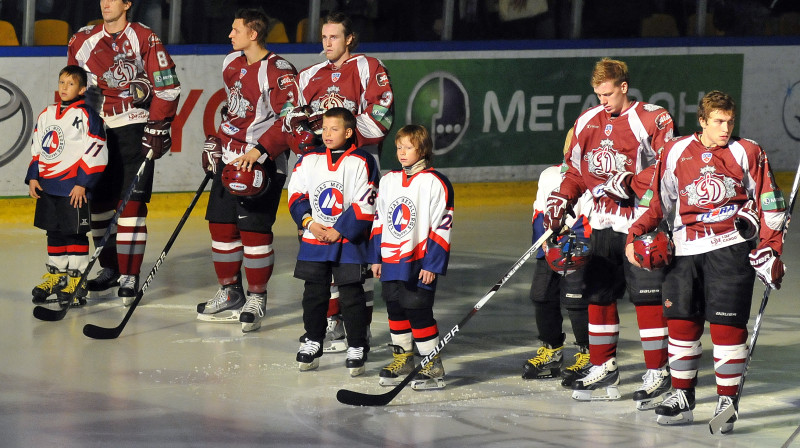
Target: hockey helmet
column 245, row 183
column 566, row 254
column 653, row 250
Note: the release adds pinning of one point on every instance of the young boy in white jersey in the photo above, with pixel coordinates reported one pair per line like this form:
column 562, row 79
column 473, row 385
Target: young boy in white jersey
column 68, row 155
column 409, row 249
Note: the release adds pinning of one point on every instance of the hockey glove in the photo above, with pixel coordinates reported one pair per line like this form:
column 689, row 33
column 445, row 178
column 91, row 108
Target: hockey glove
column 315, row 122
column 618, row 186
column 768, row 265
column 141, row 92
column 746, row 220
column 156, row 137
column 556, row 207
column 295, row 118
column 211, row 155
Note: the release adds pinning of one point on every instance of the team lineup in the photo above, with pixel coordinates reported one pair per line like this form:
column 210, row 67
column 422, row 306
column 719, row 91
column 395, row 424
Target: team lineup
column 681, row 225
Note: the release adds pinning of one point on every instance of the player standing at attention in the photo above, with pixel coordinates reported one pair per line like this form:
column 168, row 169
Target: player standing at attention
column 69, row 155
column 726, row 215
column 133, row 85
column 261, row 87
column 332, row 197
column 613, row 154
column 409, row 250
column 361, row 85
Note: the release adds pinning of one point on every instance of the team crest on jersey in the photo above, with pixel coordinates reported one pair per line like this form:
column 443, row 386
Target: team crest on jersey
column 330, row 201
column 710, row 190
column 238, row 105
column 333, row 99
column 403, row 214
column 52, row 143
column 706, row 157
column 242, row 72
column 121, row 72
column 335, row 76
column 605, row 160
column 608, row 130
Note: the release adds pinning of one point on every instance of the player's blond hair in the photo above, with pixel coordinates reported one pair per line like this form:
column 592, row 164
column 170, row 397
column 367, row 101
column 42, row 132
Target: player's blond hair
column 608, row 69
column 419, row 137
column 715, row 100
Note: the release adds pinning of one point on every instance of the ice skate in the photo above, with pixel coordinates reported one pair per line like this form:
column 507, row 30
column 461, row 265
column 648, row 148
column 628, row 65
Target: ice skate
column 106, row 279
column 431, row 376
column 577, row 370
column 605, row 376
column 253, row 311
column 356, row 357
column 128, row 288
column 677, row 408
column 54, row 280
column 73, row 279
column 724, row 405
column 224, row 307
column 308, row 355
column 546, row 363
column 654, row 389
column 335, row 341
column 402, row 365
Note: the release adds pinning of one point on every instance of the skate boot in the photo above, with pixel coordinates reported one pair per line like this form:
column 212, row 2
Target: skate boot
column 224, row 307
column 73, row 279
column 54, row 280
column 431, row 376
column 577, row 370
column 605, row 376
column 654, row 389
column 128, row 288
column 402, row 365
column 253, row 311
column 723, row 404
column 356, row 357
column 106, row 279
column 335, row 341
column 677, row 408
column 308, row 355
column 546, row 364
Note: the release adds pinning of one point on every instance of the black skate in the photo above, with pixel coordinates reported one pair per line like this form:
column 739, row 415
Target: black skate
column 308, row 355
column 72, row 287
column 402, row 365
column 546, row 363
column 605, row 376
column 224, row 307
column 726, row 406
column 54, row 281
column 677, row 408
column 654, row 389
column 128, row 288
column 431, row 376
column 106, row 279
column 253, row 311
column 356, row 357
column 577, row 370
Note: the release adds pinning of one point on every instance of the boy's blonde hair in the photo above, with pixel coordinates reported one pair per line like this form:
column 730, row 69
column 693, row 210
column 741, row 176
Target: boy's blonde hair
column 419, row 137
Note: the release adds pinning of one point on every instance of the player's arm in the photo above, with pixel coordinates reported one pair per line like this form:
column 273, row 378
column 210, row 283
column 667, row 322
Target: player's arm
column 95, row 153
column 32, row 175
column 356, row 221
column 437, row 252
column 376, row 119
column 282, row 95
column 299, row 204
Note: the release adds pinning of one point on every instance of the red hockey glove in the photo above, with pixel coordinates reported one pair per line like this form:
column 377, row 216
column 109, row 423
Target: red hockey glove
column 768, row 265
column 295, row 118
column 156, row 137
column 747, row 221
column 315, row 122
column 212, row 154
column 141, row 92
column 557, row 206
column 618, row 186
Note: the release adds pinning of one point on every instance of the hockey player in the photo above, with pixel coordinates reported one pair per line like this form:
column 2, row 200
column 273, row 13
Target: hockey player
column 261, row 87
column 133, row 85
column 551, row 289
column 69, row 155
column 409, row 250
column 612, row 155
column 708, row 185
column 361, row 85
column 332, row 197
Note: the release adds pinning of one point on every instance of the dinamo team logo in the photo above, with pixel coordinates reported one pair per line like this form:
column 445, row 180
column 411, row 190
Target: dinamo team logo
column 605, row 160
column 404, row 217
column 330, row 201
column 710, row 190
column 52, row 143
column 16, row 119
column 440, row 102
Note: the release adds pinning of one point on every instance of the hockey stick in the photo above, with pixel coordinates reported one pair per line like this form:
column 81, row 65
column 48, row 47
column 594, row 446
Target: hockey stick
column 715, row 424
column 50, row 315
column 96, row 332
column 359, row 399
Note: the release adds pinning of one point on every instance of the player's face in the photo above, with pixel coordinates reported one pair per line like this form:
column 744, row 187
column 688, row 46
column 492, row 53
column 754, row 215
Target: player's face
column 407, row 153
column 718, row 128
column 241, row 36
column 334, row 133
column 113, row 10
column 334, row 42
column 68, row 87
column 613, row 98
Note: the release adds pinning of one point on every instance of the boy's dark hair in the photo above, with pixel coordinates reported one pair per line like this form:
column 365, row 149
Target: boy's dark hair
column 344, row 20
column 256, row 20
column 75, row 72
column 347, row 117
column 419, row 137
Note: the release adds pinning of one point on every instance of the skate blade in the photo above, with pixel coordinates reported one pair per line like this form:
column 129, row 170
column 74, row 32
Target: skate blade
column 651, row 403
column 554, row 373
column 611, row 393
column 127, row 301
column 337, row 346
column 356, row 371
column 248, row 327
column 681, row 419
column 223, row 317
column 389, row 381
column 101, row 293
column 306, row 366
column 429, row 384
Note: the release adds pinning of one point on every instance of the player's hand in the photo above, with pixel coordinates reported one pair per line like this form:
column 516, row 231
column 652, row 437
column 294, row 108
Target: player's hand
column 747, row 221
column 315, row 122
column 376, row 270
column 141, row 91
column 245, row 162
column 318, row 230
column 555, row 211
column 77, row 197
column 630, row 255
column 618, row 186
column 156, row 137
column 426, row 277
column 34, row 188
column 331, row 235
column 212, row 154
column 295, row 118
column 768, row 265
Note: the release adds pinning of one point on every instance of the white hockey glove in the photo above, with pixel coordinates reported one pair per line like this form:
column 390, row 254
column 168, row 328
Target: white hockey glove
column 555, row 211
column 747, row 221
column 618, row 186
column 212, row 154
column 768, row 265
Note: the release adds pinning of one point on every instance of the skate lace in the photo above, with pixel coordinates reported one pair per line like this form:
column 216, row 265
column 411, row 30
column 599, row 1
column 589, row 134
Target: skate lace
column 72, row 283
column 355, row 352
column 255, row 304
column 543, row 355
column 723, row 403
column 50, row 281
column 127, row 281
column 651, row 379
column 677, row 400
column 581, row 361
column 400, row 360
column 310, row 347
column 219, row 298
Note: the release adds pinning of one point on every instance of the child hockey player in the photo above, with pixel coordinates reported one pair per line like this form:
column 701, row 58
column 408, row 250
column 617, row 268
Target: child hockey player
column 332, row 196
column 717, row 192
column 69, row 154
column 409, row 248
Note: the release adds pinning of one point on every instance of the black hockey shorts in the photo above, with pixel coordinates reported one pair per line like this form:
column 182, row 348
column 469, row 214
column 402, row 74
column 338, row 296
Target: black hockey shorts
column 56, row 214
column 124, row 159
column 609, row 273
column 407, row 294
column 322, row 272
column 549, row 286
column 251, row 214
column 717, row 285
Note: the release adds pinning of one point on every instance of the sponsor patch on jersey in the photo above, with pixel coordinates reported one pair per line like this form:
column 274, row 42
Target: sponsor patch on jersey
column 228, row 128
column 335, row 76
column 403, row 214
column 165, row 78
column 718, row 214
column 663, row 120
column 330, row 201
column 706, row 157
column 608, row 130
column 282, row 64
column 646, row 198
column 285, row 81
column 382, row 79
column 772, row 201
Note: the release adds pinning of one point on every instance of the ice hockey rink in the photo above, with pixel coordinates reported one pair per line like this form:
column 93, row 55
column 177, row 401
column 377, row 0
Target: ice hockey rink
column 172, row 381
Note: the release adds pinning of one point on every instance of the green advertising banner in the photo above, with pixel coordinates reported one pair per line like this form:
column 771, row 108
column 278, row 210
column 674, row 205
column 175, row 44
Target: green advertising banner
column 511, row 112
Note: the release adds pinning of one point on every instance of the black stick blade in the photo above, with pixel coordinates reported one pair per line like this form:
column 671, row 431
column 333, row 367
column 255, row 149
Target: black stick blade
column 49, row 315
column 95, row 332
column 353, row 398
